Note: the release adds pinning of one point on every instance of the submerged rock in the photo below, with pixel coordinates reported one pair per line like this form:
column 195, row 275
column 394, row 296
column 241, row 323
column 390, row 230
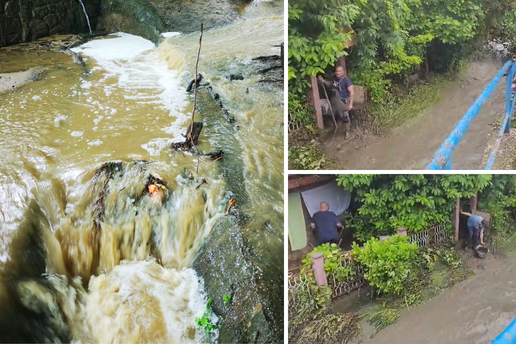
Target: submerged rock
column 10, row 81
column 228, row 271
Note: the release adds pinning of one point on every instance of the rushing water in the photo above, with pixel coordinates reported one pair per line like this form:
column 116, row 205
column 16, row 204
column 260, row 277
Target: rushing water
column 64, row 278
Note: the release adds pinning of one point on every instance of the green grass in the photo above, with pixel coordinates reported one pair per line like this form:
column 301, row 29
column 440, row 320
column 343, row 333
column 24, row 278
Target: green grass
column 382, row 316
column 331, row 328
column 402, row 108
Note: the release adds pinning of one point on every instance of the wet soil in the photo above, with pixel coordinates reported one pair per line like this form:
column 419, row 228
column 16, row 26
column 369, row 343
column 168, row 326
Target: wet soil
column 472, row 312
column 412, row 145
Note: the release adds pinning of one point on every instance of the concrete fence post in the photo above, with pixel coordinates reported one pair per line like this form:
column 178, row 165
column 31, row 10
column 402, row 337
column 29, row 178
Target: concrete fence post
column 318, row 267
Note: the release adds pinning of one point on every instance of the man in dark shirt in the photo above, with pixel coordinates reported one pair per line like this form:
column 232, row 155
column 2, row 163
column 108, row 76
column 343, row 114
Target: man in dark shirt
column 344, row 86
column 325, row 223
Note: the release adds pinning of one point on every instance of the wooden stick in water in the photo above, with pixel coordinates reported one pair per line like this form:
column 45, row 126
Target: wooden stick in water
column 194, row 101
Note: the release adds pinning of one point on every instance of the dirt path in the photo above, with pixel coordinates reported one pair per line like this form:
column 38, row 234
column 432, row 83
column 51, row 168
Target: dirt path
column 412, row 145
column 473, row 312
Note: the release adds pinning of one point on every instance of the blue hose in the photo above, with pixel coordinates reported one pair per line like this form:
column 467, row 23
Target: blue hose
column 508, row 336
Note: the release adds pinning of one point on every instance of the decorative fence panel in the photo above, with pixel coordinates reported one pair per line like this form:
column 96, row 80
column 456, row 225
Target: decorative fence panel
column 429, row 237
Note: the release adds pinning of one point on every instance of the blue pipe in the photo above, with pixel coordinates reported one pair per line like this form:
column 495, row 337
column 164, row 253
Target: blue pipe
column 508, row 336
column 506, row 123
column 441, row 159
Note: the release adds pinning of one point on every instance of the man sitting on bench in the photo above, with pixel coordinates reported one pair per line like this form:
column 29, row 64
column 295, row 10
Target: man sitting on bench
column 325, row 224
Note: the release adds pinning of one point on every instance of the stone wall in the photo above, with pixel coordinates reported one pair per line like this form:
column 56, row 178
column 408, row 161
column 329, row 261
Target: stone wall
column 27, row 20
column 148, row 18
column 130, row 16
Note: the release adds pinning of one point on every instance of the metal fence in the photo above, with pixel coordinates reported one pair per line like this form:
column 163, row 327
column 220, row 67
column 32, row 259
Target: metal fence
column 429, row 237
column 442, row 158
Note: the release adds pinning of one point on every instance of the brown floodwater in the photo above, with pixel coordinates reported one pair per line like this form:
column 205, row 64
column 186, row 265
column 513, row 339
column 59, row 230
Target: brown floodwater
column 60, row 280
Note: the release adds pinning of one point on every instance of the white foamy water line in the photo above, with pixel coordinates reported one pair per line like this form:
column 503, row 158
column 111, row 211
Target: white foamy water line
column 155, row 146
column 170, row 34
column 130, row 304
column 145, row 78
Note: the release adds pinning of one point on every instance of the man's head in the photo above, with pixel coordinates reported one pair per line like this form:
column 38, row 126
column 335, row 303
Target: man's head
column 324, row 206
column 339, row 72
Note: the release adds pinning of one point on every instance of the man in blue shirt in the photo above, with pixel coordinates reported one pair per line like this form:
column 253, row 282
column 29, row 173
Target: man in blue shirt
column 344, row 86
column 475, row 230
column 325, row 224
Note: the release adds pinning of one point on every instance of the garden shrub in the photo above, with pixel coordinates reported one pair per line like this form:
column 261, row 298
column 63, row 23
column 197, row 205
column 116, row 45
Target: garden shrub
column 388, row 264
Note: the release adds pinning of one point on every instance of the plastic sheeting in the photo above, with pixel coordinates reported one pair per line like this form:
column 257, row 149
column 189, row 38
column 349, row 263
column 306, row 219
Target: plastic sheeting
column 337, row 198
column 508, row 336
column 296, row 222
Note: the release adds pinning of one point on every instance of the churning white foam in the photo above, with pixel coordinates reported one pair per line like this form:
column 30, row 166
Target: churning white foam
column 155, row 146
column 141, row 301
column 144, row 77
column 124, row 47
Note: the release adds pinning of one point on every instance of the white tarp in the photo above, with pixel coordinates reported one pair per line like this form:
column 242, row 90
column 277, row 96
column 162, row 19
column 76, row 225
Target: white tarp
column 337, row 198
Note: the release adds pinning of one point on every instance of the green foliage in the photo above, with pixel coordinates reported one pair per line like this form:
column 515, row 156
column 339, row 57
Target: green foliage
column 415, row 202
column 449, row 257
column 306, row 158
column 313, row 298
column 499, row 200
column 316, row 35
column 388, row 264
column 227, row 298
column 205, row 321
column 332, row 262
column 393, row 38
column 300, row 111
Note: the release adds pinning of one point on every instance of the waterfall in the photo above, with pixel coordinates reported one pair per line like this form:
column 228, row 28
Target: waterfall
column 86, row 14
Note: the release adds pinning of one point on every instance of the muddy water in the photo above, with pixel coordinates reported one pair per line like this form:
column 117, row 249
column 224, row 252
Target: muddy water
column 473, row 312
column 130, row 281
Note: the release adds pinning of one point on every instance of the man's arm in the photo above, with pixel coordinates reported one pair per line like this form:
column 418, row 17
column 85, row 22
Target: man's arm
column 482, row 236
column 312, row 223
column 326, row 83
column 337, row 221
column 465, row 213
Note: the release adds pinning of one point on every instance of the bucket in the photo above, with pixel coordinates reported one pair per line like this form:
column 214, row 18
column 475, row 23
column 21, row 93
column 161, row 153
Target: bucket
column 481, row 251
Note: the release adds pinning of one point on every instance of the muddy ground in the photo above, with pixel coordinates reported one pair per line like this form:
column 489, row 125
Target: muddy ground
column 412, row 145
column 472, row 312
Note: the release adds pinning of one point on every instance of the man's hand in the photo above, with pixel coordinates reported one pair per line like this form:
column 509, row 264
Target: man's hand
column 320, row 78
column 350, row 106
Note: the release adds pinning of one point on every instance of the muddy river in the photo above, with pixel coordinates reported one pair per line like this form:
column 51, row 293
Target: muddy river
column 473, row 312
column 130, row 282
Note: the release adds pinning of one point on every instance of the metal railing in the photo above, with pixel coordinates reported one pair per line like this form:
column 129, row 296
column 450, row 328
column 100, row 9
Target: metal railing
column 442, row 158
